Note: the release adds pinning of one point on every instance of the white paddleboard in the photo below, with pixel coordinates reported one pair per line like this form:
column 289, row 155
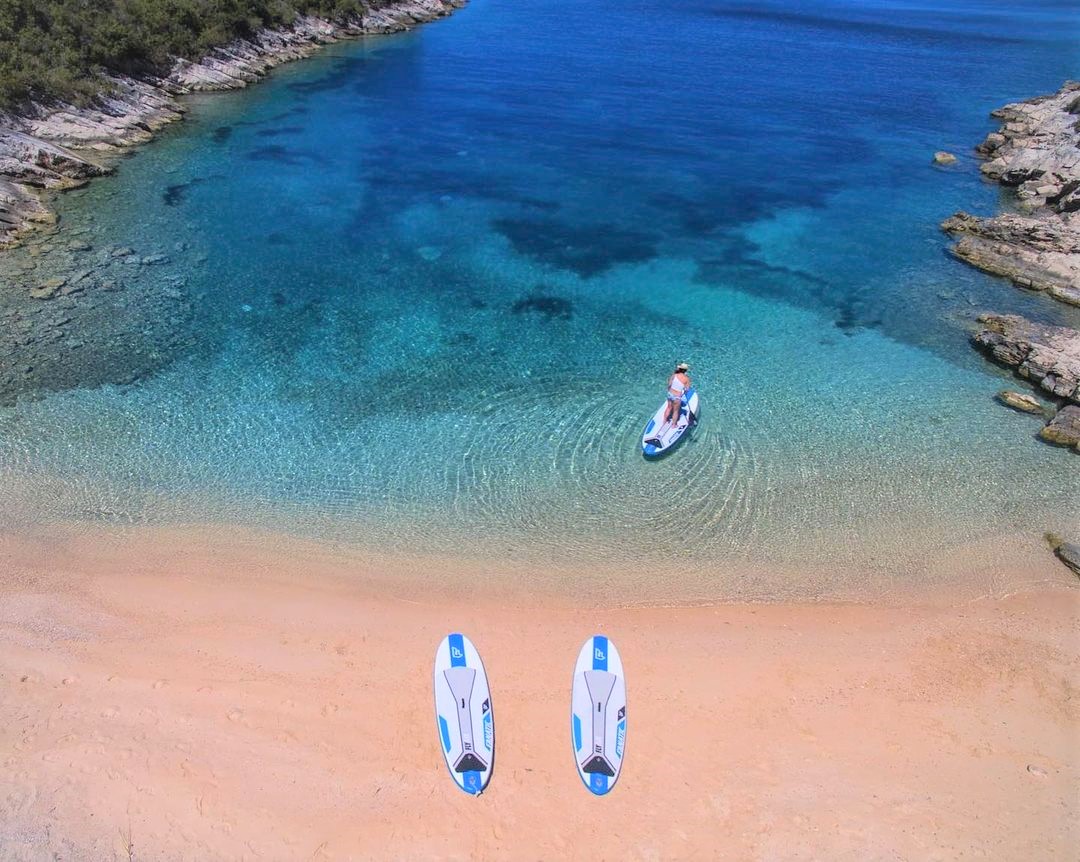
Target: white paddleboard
column 463, row 714
column 598, row 714
column 660, row 436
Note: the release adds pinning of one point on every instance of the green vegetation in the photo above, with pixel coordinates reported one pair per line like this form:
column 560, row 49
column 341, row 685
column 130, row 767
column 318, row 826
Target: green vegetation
column 58, row 49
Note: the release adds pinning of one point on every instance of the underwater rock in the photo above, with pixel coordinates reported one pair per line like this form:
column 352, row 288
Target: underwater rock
column 1037, row 152
column 48, row 288
column 588, row 249
column 1020, row 401
column 1069, row 554
column 86, row 337
column 550, row 307
column 943, row 158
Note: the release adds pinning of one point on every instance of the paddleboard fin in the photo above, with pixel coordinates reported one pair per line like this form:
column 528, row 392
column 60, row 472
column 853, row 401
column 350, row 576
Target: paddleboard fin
column 469, row 762
column 597, row 763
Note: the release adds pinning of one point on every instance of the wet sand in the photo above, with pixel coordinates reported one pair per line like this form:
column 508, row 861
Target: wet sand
column 205, row 695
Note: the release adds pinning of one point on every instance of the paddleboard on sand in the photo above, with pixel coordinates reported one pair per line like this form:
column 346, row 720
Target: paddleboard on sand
column 660, row 436
column 463, row 713
column 598, row 714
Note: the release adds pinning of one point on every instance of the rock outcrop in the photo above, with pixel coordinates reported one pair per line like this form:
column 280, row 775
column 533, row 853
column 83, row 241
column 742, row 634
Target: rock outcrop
column 1048, row 356
column 1038, row 253
column 1064, row 428
column 60, row 146
column 20, row 210
column 1037, row 152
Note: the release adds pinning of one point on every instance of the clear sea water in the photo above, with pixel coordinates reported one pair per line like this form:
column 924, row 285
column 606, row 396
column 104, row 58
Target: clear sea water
column 438, row 281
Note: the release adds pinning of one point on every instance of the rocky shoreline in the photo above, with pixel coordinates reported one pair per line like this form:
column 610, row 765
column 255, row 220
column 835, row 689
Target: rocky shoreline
column 1037, row 152
column 58, row 147
column 1046, row 356
column 77, row 312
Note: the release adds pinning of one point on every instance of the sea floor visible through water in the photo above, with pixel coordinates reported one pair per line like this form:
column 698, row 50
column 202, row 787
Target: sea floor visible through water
column 420, row 294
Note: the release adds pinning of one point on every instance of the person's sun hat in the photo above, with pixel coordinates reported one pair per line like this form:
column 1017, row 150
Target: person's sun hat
column 683, row 366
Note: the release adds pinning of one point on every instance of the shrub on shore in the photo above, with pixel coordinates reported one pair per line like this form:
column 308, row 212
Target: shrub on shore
column 58, row 49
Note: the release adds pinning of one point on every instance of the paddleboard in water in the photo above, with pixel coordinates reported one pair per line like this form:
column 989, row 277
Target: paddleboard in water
column 659, row 436
column 598, row 714
column 463, row 713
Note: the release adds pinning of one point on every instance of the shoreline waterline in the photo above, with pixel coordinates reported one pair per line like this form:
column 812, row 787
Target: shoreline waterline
column 988, row 569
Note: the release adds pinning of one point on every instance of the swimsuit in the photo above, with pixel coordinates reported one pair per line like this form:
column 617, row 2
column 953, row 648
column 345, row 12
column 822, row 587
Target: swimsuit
column 676, row 389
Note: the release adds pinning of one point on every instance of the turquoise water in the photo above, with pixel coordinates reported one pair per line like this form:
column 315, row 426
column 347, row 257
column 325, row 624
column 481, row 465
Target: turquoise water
column 433, row 285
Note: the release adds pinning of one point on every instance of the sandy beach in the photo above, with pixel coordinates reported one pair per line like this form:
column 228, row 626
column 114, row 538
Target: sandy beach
column 365, row 355
column 204, row 695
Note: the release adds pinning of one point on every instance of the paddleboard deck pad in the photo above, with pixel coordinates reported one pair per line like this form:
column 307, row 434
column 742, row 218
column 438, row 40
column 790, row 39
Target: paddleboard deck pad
column 463, row 714
column 660, row 436
column 598, row 714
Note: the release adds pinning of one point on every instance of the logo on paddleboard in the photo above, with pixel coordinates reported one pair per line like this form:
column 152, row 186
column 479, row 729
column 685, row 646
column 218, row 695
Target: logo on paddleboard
column 456, row 653
column 599, row 654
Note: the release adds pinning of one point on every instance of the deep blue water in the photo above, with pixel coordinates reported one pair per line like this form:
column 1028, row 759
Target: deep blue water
column 439, row 280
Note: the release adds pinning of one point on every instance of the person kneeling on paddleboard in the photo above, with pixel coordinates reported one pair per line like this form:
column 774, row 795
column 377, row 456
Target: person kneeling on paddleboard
column 677, row 385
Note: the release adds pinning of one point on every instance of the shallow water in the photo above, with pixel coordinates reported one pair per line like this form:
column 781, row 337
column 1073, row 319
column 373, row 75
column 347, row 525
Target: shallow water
column 433, row 285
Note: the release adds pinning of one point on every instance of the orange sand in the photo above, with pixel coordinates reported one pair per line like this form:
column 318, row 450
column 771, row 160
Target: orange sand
column 173, row 695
